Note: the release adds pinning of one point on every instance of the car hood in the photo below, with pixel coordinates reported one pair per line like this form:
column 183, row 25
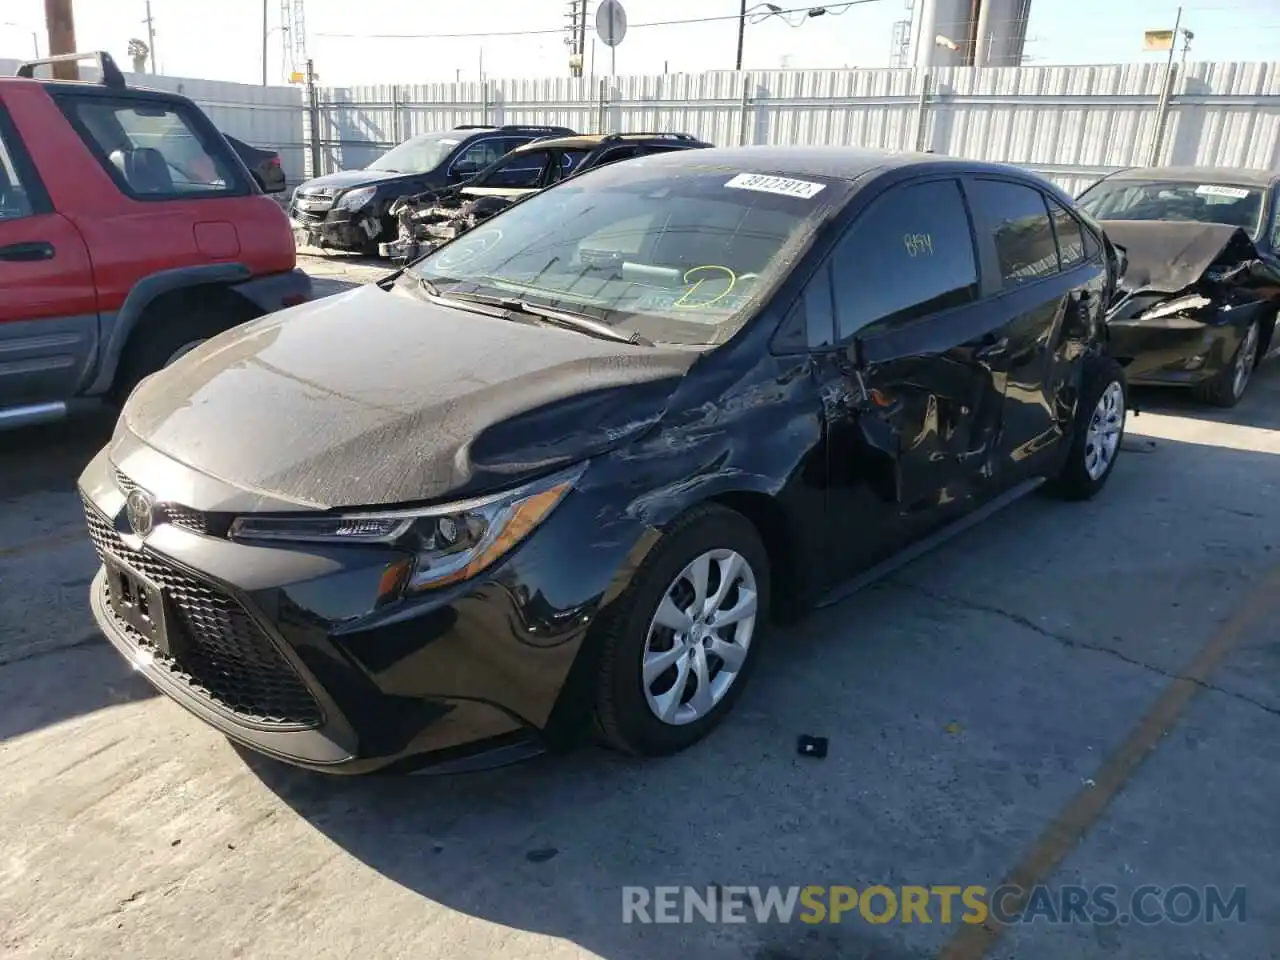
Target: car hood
column 1168, row 256
column 377, row 397
column 346, row 179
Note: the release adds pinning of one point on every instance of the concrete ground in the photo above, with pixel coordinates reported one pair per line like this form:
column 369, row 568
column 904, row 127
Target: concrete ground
column 990, row 705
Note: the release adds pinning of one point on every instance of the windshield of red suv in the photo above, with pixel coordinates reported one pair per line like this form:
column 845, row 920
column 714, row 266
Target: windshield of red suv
column 419, row 155
column 678, row 254
column 1235, row 205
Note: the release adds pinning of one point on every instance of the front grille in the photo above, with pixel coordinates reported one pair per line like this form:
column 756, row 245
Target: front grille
column 308, row 216
column 173, row 513
column 221, row 654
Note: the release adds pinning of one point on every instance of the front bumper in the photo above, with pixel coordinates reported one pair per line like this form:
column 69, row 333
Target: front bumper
column 286, row 649
column 352, row 231
column 1176, row 351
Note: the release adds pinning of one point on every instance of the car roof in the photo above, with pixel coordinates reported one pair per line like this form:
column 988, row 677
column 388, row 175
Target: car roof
column 1245, row 176
column 589, row 140
column 836, row 163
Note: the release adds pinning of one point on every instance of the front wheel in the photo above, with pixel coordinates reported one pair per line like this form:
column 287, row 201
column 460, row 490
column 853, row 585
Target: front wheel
column 1097, row 433
column 682, row 640
column 1227, row 388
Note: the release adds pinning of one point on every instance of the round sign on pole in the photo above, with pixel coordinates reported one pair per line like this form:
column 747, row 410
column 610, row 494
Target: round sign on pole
column 611, row 22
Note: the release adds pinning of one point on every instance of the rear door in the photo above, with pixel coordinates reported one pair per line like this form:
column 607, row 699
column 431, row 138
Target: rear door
column 1045, row 295
column 908, row 298
column 48, row 310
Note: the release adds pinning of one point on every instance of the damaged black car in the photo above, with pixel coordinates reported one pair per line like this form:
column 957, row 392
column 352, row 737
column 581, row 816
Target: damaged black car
column 350, row 210
column 1199, row 298
column 563, row 473
column 428, row 219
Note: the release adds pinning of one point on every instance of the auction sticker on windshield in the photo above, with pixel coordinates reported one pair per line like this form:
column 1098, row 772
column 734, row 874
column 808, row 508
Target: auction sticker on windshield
column 1217, row 190
column 785, row 186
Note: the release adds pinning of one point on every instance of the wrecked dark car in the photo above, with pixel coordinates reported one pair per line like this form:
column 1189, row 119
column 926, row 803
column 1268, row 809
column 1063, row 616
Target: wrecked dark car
column 430, row 218
column 350, row 210
column 1198, row 302
column 563, row 473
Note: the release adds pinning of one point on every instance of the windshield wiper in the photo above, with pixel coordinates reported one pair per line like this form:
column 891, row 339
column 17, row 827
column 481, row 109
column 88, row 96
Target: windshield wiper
column 561, row 318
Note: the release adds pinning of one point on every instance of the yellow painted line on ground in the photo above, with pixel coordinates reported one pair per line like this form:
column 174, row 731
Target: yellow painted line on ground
column 1086, row 807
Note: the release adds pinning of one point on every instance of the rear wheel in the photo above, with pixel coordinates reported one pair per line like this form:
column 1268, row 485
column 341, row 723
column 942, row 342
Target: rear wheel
column 1097, row 433
column 683, row 639
column 1228, row 387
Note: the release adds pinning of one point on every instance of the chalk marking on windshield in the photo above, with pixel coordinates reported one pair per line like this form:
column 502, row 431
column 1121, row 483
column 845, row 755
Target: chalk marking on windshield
column 454, row 255
column 725, row 271
column 783, row 186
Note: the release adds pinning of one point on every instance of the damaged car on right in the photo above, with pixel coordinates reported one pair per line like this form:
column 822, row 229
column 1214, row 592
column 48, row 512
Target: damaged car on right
column 1198, row 301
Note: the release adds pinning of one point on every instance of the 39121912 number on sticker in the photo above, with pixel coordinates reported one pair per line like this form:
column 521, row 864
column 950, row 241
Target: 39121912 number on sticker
column 784, row 186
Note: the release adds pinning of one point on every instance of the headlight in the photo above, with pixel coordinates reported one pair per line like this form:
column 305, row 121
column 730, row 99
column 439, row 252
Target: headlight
column 450, row 542
column 355, row 199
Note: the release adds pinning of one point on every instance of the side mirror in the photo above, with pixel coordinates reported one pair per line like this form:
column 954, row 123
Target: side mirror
column 463, row 171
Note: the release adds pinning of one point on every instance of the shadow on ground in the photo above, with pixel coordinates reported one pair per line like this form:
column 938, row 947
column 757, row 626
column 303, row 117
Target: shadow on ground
column 964, row 712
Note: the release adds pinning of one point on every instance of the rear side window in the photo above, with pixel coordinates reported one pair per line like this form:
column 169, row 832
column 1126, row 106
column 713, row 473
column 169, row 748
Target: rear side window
column 908, row 255
column 15, row 203
column 1070, row 236
column 153, row 150
column 1019, row 220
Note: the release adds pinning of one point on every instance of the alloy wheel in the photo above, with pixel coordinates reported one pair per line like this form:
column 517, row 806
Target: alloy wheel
column 699, row 637
column 1103, row 436
column 1246, row 357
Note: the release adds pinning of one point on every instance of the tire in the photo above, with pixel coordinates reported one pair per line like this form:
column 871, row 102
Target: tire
column 1229, row 386
column 1079, row 477
column 160, row 340
column 624, row 716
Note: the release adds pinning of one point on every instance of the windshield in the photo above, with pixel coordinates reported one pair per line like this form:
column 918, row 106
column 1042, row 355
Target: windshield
column 677, row 254
column 1226, row 203
column 419, row 155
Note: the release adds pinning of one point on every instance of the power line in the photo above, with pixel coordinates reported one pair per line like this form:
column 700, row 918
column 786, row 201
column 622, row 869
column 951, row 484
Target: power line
column 827, row 10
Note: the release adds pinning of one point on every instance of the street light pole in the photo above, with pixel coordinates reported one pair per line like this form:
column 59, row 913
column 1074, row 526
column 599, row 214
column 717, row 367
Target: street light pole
column 264, row 42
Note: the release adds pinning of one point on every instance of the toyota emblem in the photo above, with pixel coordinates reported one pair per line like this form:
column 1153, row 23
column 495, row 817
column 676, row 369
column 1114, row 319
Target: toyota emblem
column 141, row 508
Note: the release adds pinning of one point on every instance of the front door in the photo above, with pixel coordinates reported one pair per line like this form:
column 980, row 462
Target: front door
column 48, row 311
column 923, row 395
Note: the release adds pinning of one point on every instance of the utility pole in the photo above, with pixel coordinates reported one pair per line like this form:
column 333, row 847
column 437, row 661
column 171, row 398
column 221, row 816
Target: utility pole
column 264, row 41
column 742, row 29
column 151, row 36
column 62, row 37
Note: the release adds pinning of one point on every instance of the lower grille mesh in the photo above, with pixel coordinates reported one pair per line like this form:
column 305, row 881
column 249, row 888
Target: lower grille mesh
column 225, row 656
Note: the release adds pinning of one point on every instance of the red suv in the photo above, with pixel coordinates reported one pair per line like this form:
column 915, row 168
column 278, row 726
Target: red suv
column 130, row 232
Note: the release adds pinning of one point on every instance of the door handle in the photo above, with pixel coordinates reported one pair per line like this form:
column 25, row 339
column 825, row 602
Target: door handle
column 27, row 252
column 992, row 346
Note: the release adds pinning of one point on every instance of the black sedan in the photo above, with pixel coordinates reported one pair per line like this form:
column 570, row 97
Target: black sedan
column 573, row 464
column 263, row 164
column 1199, row 301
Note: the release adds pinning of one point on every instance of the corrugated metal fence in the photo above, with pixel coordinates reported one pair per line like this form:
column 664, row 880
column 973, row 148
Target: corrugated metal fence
column 1072, row 123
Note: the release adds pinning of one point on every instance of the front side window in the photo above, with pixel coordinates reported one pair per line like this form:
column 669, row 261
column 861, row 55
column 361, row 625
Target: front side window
column 1019, row 220
column 478, row 156
column 417, row 154
column 1227, row 203
column 681, row 255
column 908, row 255
column 154, row 148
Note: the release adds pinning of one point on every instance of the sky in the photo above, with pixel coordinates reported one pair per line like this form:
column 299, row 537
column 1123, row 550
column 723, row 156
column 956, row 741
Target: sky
column 223, row 40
